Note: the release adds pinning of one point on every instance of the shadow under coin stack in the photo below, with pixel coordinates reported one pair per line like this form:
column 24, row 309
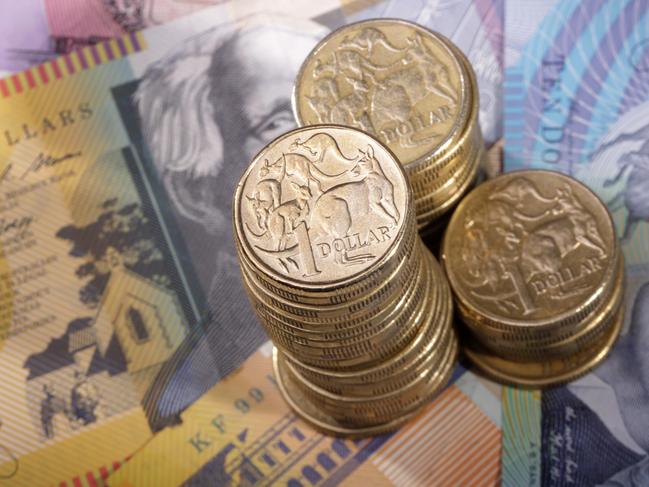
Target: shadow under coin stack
column 538, row 277
column 356, row 306
column 413, row 90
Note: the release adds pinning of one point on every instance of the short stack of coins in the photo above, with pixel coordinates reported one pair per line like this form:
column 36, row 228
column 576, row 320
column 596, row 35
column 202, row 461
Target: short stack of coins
column 356, row 306
column 413, row 90
column 537, row 276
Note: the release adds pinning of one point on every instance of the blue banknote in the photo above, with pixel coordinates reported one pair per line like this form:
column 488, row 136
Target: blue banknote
column 576, row 100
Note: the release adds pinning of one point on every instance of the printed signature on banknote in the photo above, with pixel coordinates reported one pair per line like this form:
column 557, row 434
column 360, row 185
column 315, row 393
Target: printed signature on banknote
column 577, row 91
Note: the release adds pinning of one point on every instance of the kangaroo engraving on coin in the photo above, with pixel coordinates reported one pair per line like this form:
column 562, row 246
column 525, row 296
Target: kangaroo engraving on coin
column 531, row 246
column 393, row 79
column 321, row 204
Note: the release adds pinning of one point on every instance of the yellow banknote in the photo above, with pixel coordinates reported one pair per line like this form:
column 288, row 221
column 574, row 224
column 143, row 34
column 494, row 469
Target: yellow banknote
column 120, row 296
column 90, row 301
column 242, row 433
column 106, row 274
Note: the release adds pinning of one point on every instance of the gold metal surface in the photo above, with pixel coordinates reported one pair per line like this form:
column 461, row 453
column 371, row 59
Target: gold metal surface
column 378, row 313
column 537, row 277
column 337, row 423
column 392, row 78
column 371, row 283
column 411, row 88
column 552, row 371
column 557, row 342
column 320, row 419
column 320, row 206
column 364, row 410
column 530, row 249
column 364, row 332
column 425, row 344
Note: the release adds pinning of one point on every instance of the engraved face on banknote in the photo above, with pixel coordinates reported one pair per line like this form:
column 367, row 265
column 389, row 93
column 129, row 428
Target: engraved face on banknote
column 205, row 108
column 321, row 204
column 531, row 246
column 206, row 111
column 390, row 78
column 627, row 154
column 626, row 370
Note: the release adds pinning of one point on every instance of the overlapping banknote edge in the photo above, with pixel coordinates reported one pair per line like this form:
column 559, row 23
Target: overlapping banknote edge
column 76, row 63
column 576, row 82
column 242, row 430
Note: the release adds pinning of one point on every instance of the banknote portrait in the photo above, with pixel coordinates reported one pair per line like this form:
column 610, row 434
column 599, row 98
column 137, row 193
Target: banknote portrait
column 616, row 394
column 627, row 373
column 205, row 109
column 607, row 410
column 630, row 151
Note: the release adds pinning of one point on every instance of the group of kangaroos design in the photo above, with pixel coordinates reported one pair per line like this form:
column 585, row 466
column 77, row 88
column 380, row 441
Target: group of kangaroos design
column 380, row 95
column 330, row 204
column 508, row 249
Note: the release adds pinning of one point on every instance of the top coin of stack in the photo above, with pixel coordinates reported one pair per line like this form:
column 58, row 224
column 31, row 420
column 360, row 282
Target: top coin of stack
column 331, row 260
column 409, row 87
column 537, row 275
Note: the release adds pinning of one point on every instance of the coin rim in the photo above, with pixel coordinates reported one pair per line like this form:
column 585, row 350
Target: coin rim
column 339, row 296
column 427, row 339
column 605, row 313
column 481, row 359
column 359, row 432
column 335, row 315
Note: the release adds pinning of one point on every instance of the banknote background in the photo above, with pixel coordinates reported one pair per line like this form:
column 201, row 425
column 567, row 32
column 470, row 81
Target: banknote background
column 117, row 149
column 52, row 27
column 576, row 100
column 132, row 228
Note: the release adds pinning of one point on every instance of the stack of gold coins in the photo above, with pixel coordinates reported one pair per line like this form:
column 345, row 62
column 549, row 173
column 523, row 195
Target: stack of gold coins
column 409, row 87
column 537, row 276
column 356, row 306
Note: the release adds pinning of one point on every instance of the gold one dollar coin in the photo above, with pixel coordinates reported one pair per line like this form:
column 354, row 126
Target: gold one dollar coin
column 548, row 371
column 531, row 249
column 321, row 207
column 391, row 78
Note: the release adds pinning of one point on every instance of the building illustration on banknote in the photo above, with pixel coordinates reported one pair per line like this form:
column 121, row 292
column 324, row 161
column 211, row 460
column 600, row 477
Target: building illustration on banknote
column 105, row 362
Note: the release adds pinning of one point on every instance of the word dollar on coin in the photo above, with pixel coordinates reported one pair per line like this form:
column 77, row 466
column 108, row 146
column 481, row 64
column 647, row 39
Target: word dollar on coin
column 409, row 87
column 537, row 275
column 356, row 306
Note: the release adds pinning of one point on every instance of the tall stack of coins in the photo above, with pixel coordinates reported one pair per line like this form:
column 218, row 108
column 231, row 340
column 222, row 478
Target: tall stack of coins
column 409, row 87
column 356, row 306
column 537, row 275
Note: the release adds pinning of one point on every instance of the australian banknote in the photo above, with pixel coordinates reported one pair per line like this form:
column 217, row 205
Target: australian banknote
column 576, row 100
column 33, row 31
column 46, row 28
column 120, row 297
column 242, row 433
